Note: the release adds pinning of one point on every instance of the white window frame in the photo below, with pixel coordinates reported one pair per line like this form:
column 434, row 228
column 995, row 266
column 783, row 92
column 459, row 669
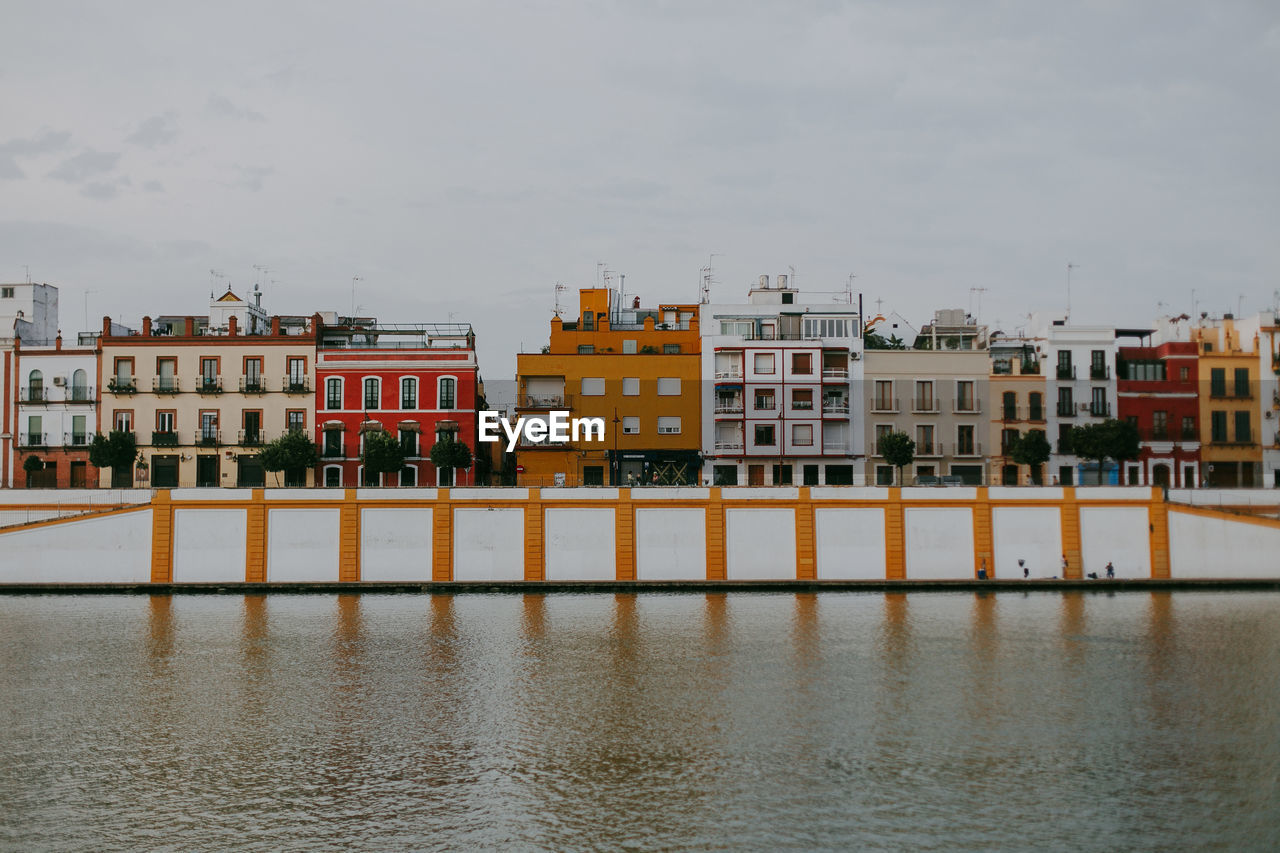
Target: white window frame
column 417, row 394
column 631, row 386
column 631, row 425
column 755, row 364
column 440, row 380
column 795, row 432
column 364, row 393
column 591, row 390
column 668, row 386
column 670, row 428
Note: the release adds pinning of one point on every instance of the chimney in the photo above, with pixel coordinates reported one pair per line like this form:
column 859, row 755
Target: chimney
column 57, row 342
column 106, row 327
column 233, row 325
column 189, row 327
column 146, row 327
column 275, row 325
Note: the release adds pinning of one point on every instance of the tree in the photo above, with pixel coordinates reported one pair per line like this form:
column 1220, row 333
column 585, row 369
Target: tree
column 31, row 465
column 898, row 450
column 294, row 452
column 1031, row 448
column 449, row 453
column 382, row 454
column 118, row 451
column 1109, row 439
column 874, row 340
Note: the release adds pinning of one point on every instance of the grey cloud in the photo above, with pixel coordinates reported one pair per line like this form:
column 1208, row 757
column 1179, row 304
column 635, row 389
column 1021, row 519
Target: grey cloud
column 47, row 142
column 251, row 177
column 85, row 166
column 221, row 105
column 101, row 190
column 157, row 130
column 153, row 187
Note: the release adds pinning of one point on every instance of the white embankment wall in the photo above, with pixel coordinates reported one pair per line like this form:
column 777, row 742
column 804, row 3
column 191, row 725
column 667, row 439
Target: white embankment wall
column 735, row 534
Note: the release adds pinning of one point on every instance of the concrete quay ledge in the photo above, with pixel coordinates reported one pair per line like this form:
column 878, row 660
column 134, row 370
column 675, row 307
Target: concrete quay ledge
column 692, row 587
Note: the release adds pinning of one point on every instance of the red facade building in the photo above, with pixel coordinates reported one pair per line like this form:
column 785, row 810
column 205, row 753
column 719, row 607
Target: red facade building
column 417, row 382
column 1159, row 392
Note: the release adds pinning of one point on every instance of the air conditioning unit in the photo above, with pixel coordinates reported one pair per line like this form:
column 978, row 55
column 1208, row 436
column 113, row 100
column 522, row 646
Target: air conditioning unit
column 59, row 380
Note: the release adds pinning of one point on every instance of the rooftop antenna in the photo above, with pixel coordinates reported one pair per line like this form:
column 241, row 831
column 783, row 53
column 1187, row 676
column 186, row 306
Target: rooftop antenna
column 980, row 291
column 1070, row 267
column 354, row 279
column 708, row 277
column 848, row 288
column 86, row 308
column 28, row 269
column 560, row 288
column 600, row 265
column 1239, row 305
column 791, row 282
column 262, row 272
column 214, row 276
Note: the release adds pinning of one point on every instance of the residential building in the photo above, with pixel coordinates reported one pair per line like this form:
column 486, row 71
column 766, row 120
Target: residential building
column 952, row 329
column 1157, row 388
column 418, row 382
column 202, row 397
column 779, row 376
column 636, row 368
column 1079, row 364
column 28, row 312
column 57, row 414
column 1017, row 403
column 1230, row 405
column 1269, row 395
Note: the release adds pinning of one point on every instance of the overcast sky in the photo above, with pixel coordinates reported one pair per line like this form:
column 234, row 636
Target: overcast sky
column 464, row 157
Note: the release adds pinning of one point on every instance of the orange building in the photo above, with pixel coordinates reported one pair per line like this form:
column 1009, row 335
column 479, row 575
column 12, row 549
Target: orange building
column 638, row 370
column 1230, row 448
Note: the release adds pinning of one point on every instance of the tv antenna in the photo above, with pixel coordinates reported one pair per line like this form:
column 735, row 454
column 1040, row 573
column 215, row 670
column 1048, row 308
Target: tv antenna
column 1070, row 267
column 215, row 276
column 707, row 274
column 979, row 291
column 560, row 288
column 354, row 279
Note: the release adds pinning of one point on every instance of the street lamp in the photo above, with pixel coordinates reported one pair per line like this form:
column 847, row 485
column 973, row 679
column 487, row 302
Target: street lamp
column 617, row 466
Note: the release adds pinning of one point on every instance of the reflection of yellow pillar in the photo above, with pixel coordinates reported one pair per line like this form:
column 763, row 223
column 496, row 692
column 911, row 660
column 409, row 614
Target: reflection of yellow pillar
column 535, row 563
column 895, row 540
column 806, row 556
column 983, row 550
column 255, row 546
column 161, row 538
column 1071, row 534
column 1159, row 521
column 715, row 537
column 625, row 528
column 349, row 539
column 442, row 538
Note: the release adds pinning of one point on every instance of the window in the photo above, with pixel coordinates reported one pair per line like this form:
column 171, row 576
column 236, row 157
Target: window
column 832, row 327
column 124, row 371
column 208, row 372
column 668, row 386
column 166, row 421
column 1242, row 382
column 924, row 440
column 882, row 430
column 764, row 435
column 802, row 399
column 123, row 422
column 802, row 435
column 333, row 393
column 801, row 363
column 1243, row 433
column 1184, row 374
column 1009, row 406
column 333, row 477
column 592, row 386
column 408, row 393
column 372, row 394
column 252, row 422
column 593, row 475
column 79, row 427
column 253, row 374
column 1218, row 382
column 6, row 292
column 408, row 476
column 1064, row 439
column 409, row 442
column 924, row 396
column 295, row 420
column 668, row 425
column 1098, row 403
column 449, row 392
column 1218, row 426
column 1007, row 438
column 631, row 386
column 884, row 475
column 1159, row 425
column 332, row 443
column 35, row 386
column 964, row 396
column 166, row 374
column 738, row 328
column 763, row 362
column 1064, row 364
column 586, row 349
column 782, row 475
column 628, row 347
column 588, row 321
column 839, row 475
column 671, row 349
column 631, row 426
column 964, row 440
column 297, row 368
column 79, row 385
column 725, row 475
column 764, row 399
column 1035, row 402
column 1098, row 364
column 208, row 427
column 884, row 401
column 1066, row 404
column 1189, row 428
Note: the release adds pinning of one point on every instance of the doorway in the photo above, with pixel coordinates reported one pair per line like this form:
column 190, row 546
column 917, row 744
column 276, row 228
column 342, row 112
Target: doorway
column 79, row 474
column 1160, row 476
column 206, row 471
column 755, row 475
column 164, row 472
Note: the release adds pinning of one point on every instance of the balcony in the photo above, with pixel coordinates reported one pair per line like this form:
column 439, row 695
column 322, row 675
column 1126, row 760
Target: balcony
column 926, row 449
column 835, row 406
column 1100, row 371
column 207, row 438
column 75, row 439
column 296, row 384
column 835, row 374
column 1036, row 413
column 1066, row 371
column 253, row 385
column 333, row 450
column 1100, row 410
column 885, row 404
column 122, row 385
column 835, row 446
column 541, row 401
column 967, row 407
column 209, row 384
column 802, row 405
column 729, row 445
column 164, row 438
column 29, row 394
column 729, row 406
column 969, row 448
column 1066, row 410
column 1030, row 368
column 733, row 374
column 1009, row 413
column 33, row 439
column 249, row 438
column 925, row 405
column 166, row 385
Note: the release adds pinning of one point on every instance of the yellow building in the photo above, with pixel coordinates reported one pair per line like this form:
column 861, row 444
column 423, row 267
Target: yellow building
column 202, row 398
column 1230, row 448
column 1016, row 403
column 637, row 369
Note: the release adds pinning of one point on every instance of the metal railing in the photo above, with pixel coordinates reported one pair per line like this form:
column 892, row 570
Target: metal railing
column 538, row 401
column 835, row 373
column 122, row 386
column 333, row 451
column 884, row 404
column 256, row 385
column 928, row 448
column 729, row 445
column 1100, row 410
column 835, row 407
column 209, row 384
column 296, row 384
column 76, row 439
column 29, row 394
column 207, row 437
column 924, row 405
column 33, row 439
column 166, row 385
column 733, row 373
column 973, row 407
column 802, row 405
column 1103, row 372
column 249, row 438
column 972, row 448
column 1066, row 371
column 164, row 438
column 1066, row 410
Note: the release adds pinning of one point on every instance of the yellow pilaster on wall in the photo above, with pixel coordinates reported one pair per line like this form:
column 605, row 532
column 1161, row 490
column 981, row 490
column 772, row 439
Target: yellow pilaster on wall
column 349, row 539
column 535, row 565
column 442, row 538
column 806, row 550
column 715, row 537
column 895, row 540
column 983, row 548
column 1071, row 534
column 255, row 546
column 1159, row 519
column 161, row 538
column 625, row 528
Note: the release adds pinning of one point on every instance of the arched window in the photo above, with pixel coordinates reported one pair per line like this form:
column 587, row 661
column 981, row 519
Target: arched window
column 333, row 476
column 79, row 385
column 372, row 398
column 333, row 393
column 408, row 393
column 448, row 393
column 35, row 386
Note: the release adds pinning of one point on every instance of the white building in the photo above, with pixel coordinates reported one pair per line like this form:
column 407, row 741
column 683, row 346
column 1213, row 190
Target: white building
column 1079, row 365
column 1269, row 395
column 30, row 308
column 781, row 390
column 57, row 415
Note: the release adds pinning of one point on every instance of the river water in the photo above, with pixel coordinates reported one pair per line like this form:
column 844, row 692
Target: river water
column 947, row 721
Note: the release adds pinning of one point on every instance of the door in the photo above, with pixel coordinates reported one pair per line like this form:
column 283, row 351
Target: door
column 164, row 472
column 249, row 472
column 1160, row 475
column 755, row 475
column 206, row 470
column 79, row 475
